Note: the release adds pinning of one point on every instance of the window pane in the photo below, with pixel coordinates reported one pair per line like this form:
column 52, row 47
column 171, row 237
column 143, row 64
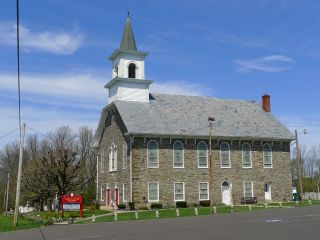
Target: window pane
column 203, row 190
column 267, row 158
column 153, row 192
column 179, row 195
column 246, row 153
column 202, row 155
column 224, row 154
column 178, row 154
column 248, row 189
column 152, row 154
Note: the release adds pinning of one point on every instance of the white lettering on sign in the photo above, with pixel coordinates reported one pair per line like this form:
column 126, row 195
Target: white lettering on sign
column 71, row 206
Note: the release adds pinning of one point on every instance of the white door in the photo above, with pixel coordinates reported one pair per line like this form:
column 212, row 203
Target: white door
column 267, row 191
column 226, row 193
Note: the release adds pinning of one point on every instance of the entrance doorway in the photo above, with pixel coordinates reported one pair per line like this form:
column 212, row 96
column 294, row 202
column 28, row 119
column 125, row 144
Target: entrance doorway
column 267, row 191
column 226, row 193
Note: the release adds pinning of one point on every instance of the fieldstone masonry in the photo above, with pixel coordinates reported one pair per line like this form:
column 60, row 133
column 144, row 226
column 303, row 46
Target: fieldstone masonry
column 279, row 175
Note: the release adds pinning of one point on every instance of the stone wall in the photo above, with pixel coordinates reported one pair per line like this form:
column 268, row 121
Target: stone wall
column 279, row 175
column 113, row 133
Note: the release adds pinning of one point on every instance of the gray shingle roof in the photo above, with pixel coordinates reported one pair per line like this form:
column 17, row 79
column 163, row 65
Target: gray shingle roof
column 128, row 42
column 188, row 116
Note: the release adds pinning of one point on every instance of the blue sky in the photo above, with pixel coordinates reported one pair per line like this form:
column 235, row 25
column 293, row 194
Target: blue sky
column 226, row 48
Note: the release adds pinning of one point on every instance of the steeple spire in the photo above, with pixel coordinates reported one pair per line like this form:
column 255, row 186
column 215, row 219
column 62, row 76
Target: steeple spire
column 128, row 42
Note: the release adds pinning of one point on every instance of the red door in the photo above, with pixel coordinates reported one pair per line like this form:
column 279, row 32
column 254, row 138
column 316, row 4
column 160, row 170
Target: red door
column 108, row 197
column 117, row 196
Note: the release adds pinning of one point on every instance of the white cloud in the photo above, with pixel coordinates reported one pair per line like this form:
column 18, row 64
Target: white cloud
column 181, row 88
column 75, row 99
column 83, row 90
column 271, row 64
column 59, row 42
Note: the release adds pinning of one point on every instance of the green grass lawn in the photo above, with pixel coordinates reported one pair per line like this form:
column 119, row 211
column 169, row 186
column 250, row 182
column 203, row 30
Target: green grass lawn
column 23, row 223
column 74, row 214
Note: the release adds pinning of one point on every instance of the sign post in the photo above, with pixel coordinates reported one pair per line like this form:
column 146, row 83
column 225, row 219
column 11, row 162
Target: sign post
column 72, row 203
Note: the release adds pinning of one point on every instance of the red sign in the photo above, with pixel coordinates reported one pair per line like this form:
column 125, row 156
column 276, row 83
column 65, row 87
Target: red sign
column 72, row 203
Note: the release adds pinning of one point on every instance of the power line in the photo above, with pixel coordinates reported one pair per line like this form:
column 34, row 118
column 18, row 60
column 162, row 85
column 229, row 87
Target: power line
column 7, row 134
column 48, row 137
column 18, row 58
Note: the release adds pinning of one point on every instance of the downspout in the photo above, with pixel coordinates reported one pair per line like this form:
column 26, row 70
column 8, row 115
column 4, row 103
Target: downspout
column 131, row 197
column 97, row 190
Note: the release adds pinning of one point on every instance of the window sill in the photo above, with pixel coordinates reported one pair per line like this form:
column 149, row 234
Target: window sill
column 247, row 167
column 202, row 167
column 178, row 167
column 153, row 201
column 225, row 166
column 153, row 167
column 267, row 166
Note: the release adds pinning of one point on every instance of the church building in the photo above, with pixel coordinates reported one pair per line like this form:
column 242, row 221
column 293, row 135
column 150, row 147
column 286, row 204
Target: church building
column 168, row 148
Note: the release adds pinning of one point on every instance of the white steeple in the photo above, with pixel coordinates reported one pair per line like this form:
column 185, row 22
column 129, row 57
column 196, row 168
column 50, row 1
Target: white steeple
column 128, row 83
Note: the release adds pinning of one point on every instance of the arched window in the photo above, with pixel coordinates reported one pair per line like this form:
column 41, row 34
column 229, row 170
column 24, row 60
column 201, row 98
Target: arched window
column 225, row 155
column 113, row 158
column 267, row 155
column 178, row 157
column 132, row 70
column 202, row 150
column 153, row 154
column 246, row 155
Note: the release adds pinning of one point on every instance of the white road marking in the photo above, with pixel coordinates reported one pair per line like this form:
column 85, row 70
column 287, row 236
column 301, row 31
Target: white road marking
column 273, row 220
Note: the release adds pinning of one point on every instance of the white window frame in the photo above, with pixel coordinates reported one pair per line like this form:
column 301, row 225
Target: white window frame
column 244, row 188
column 264, row 165
column 148, row 154
column 157, row 200
column 243, row 166
column 208, row 198
column 124, row 188
column 124, row 156
column 113, row 155
column 101, row 193
column 198, row 154
column 174, row 192
column 229, row 166
column 173, row 155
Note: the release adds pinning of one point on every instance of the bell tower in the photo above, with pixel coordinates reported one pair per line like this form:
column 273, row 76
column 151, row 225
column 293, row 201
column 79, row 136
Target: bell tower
column 128, row 83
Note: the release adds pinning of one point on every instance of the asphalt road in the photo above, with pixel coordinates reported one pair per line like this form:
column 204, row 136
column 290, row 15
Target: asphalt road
column 296, row 223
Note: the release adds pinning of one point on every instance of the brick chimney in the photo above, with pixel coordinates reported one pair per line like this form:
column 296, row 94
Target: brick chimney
column 266, row 103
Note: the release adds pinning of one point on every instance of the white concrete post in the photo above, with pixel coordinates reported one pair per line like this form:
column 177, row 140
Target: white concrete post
column 310, row 203
column 297, row 203
column 157, row 214
column 266, row 205
column 93, row 218
column 177, row 212
column 250, row 208
column 136, row 215
column 196, row 211
column 214, row 210
column 280, row 204
column 231, row 208
column 115, row 217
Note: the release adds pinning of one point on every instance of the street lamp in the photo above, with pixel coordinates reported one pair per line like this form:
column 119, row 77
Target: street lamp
column 210, row 120
column 299, row 164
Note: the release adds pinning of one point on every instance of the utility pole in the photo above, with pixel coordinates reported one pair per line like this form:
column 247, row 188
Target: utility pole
column 7, row 197
column 4, row 199
column 298, row 159
column 16, row 210
column 210, row 120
